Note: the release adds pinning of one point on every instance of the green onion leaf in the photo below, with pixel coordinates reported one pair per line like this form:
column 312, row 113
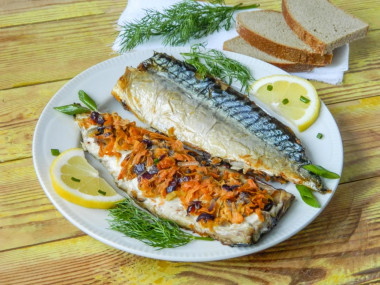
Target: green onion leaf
column 285, row 101
column 269, row 87
column 321, row 171
column 55, row 151
column 156, row 160
column 319, row 136
column 307, row 196
column 87, row 100
column 102, row 192
column 75, row 179
column 72, row 109
column 304, row 99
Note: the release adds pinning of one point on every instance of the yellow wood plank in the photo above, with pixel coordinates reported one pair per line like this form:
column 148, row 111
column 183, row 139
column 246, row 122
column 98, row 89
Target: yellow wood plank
column 11, row 6
column 359, row 124
column 52, row 13
column 362, row 79
column 339, row 247
column 38, row 246
column 19, row 115
column 51, row 51
column 27, row 216
column 60, row 50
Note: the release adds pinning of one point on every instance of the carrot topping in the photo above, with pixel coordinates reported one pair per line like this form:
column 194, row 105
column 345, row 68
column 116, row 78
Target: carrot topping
column 167, row 169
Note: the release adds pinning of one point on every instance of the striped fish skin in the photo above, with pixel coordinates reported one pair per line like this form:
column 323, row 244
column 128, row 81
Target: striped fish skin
column 278, row 151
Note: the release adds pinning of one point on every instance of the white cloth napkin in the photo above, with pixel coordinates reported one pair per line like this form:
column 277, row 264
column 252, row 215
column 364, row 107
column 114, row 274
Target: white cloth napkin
column 332, row 74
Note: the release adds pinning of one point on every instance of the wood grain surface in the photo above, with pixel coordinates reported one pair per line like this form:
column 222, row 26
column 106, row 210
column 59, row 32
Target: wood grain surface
column 43, row 44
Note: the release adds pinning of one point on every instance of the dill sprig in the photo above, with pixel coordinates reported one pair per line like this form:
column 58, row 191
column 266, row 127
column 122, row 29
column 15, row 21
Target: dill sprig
column 139, row 224
column 180, row 22
column 215, row 63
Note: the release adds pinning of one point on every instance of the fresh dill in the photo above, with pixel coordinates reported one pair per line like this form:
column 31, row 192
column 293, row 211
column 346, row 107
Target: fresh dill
column 215, row 63
column 139, row 224
column 179, row 23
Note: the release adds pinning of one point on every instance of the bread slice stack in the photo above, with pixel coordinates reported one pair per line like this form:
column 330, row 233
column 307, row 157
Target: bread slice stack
column 300, row 38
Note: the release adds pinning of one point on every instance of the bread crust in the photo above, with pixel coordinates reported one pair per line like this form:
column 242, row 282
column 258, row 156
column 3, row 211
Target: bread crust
column 287, row 66
column 280, row 50
column 315, row 43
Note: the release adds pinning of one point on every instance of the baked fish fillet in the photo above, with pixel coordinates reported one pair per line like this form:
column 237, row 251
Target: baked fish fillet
column 167, row 94
column 181, row 183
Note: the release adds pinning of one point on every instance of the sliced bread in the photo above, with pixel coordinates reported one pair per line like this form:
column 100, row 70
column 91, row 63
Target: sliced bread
column 268, row 31
column 322, row 25
column 239, row 45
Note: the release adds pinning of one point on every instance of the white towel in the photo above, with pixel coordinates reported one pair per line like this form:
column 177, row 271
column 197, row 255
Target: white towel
column 332, row 74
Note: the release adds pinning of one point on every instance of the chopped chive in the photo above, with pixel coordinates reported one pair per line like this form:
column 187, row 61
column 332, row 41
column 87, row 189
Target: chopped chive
column 304, row 99
column 269, row 87
column 319, row 136
column 285, row 101
column 55, row 151
column 75, row 179
column 102, row 192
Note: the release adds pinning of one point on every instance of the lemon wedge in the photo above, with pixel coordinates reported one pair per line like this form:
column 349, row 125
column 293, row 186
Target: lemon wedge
column 290, row 96
column 75, row 180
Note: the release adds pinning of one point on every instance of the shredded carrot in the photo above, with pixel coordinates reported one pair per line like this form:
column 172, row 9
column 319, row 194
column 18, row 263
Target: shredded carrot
column 227, row 196
column 237, row 218
column 166, row 162
column 171, row 132
column 258, row 213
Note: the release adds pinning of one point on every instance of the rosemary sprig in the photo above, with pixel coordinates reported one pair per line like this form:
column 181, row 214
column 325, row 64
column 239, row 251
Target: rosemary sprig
column 180, row 22
column 214, row 62
column 156, row 232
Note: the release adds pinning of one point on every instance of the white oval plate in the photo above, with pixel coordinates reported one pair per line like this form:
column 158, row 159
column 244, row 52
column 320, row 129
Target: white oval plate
column 56, row 130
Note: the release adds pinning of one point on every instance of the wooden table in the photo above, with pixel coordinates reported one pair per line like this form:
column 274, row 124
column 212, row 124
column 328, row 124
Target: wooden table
column 43, row 44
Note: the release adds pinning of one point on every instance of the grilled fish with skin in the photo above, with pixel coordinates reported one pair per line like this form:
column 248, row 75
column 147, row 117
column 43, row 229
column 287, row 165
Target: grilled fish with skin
column 176, row 182
column 167, row 94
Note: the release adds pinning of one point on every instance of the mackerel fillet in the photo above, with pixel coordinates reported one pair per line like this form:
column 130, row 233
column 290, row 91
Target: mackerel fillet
column 168, row 95
column 180, row 183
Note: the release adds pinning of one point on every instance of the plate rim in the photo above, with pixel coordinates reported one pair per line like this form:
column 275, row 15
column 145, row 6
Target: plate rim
column 156, row 253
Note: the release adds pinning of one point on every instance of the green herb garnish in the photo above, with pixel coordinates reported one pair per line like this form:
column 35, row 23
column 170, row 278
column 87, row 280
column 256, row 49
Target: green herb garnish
column 180, row 22
column 55, row 151
column 87, row 100
column 75, row 179
column 269, row 87
column 215, row 63
column 76, row 108
column 307, row 196
column 304, row 99
column 139, row 224
column 285, row 101
column 321, row 171
column 72, row 109
column 102, row 192
column 319, row 136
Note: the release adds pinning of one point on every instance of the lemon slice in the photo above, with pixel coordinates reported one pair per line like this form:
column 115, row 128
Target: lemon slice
column 75, row 180
column 290, row 96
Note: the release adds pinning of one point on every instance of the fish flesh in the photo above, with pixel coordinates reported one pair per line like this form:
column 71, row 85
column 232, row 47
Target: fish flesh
column 169, row 95
column 182, row 183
